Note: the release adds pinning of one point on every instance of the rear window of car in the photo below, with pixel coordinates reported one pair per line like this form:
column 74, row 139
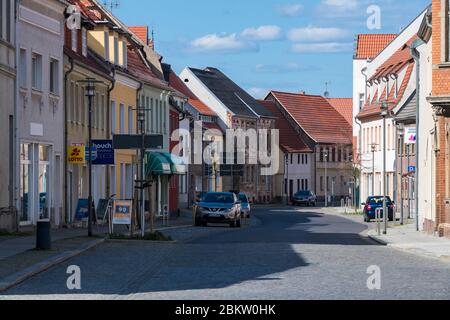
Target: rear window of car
column 243, row 198
column 378, row 200
column 303, row 193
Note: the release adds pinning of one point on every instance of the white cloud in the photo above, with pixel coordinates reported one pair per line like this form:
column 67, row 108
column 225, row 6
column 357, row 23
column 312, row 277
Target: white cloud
column 258, row 93
column 326, row 47
column 262, row 33
column 290, row 10
column 312, row 34
column 341, row 4
column 222, row 43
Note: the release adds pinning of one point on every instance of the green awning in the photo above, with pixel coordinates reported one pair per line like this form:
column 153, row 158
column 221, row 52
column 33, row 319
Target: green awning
column 178, row 166
column 156, row 164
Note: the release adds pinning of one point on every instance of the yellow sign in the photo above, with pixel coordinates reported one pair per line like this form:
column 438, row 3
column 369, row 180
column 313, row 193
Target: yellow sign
column 76, row 154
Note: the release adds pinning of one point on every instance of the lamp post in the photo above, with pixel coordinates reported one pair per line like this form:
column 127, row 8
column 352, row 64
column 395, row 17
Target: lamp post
column 325, row 158
column 90, row 94
column 401, row 134
column 384, row 113
column 287, row 178
column 141, row 121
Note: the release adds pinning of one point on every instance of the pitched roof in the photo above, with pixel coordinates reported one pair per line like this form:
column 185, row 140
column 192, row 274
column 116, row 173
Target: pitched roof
column 140, row 70
column 399, row 61
column 230, row 94
column 344, row 106
column 316, row 117
column 290, row 141
column 140, row 32
column 368, row 46
column 176, row 83
column 91, row 61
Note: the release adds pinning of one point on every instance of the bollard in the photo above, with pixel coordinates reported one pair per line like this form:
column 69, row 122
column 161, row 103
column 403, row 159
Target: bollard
column 43, row 237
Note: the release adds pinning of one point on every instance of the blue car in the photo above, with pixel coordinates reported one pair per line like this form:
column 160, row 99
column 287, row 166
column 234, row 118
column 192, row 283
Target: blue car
column 373, row 203
column 219, row 207
column 245, row 205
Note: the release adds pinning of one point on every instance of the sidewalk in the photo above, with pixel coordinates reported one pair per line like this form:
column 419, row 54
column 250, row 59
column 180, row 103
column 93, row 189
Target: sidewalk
column 19, row 260
column 406, row 238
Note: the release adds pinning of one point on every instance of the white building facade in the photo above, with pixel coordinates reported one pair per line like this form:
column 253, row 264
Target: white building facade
column 40, row 111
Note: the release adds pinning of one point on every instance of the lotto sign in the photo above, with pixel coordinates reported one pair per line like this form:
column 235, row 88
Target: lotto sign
column 410, row 135
column 122, row 212
column 76, row 154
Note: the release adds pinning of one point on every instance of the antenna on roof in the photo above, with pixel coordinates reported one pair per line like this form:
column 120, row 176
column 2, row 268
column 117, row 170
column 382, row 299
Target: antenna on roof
column 111, row 4
column 327, row 93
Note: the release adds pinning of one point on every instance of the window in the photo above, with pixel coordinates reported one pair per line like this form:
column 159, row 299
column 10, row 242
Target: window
column 23, row 68
column 36, row 71
column 116, row 51
column 361, row 101
column 113, row 117
column 299, row 156
column 75, row 40
column 106, row 45
column 124, row 48
column 84, row 42
column 5, row 17
column 122, row 118
column 321, row 184
column 54, row 76
column 1, row 20
column 130, row 120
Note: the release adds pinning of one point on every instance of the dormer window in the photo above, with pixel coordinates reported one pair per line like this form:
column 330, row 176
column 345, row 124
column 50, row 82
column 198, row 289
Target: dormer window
column 124, row 54
column 106, row 45
column 84, row 42
column 116, row 51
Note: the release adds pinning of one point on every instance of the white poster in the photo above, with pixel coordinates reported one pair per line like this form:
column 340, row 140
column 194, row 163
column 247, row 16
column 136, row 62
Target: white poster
column 410, row 135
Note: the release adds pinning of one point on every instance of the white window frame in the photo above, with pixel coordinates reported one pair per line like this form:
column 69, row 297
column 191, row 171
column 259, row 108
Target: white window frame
column 54, row 75
column 84, row 42
column 113, row 117
column 36, row 71
column 74, row 36
column 122, row 118
column 23, row 67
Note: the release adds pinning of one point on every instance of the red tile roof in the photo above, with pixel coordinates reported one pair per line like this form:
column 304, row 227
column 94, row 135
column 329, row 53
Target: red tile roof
column 140, row 32
column 400, row 60
column 290, row 141
column 176, row 83
column 316, row 117
column 139, row 69
column 368, row 46
column 344, row 106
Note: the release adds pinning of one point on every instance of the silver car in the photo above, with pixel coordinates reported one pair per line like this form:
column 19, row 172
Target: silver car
column 219, row 207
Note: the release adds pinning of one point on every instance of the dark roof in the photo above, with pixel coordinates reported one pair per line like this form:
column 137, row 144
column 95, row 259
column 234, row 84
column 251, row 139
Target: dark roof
column 230, row 94
column 316, row 117
column 290, row 141
column 91, row 61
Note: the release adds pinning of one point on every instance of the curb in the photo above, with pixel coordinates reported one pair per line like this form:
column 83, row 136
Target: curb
column 19, row 277
column 378, row 240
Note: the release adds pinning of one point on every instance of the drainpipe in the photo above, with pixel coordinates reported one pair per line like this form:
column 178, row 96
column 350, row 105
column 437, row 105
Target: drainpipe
column 108, row 129
column 14, row 198
column 66, row 145
column 364, row 73
column 416, row 55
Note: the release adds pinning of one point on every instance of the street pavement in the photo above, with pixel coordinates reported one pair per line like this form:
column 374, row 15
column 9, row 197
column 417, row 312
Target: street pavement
column 284, row 253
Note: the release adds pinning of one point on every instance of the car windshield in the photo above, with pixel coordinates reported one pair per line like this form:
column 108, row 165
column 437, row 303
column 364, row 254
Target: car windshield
column 219, row 197
column 243, row 198
column 303, row 193
column 378, row 200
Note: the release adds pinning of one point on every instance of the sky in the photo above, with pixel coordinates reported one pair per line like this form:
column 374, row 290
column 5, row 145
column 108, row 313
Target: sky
column 268, row 45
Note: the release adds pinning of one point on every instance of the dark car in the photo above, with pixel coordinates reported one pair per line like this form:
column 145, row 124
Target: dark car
column 374, row 203
column 305, row 197
column 219, row 207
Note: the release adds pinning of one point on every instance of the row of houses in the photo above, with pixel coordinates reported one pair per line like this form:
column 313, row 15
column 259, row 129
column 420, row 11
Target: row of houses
column 401, row 102
column 48, row 50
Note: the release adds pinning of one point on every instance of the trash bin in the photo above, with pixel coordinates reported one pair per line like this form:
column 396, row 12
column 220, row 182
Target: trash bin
column 43, row 238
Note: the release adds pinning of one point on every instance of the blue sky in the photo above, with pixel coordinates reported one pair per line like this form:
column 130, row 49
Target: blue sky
column 267, row 44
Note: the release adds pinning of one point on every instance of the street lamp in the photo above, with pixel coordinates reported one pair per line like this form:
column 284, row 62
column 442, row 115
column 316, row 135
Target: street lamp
column 141, row 121
column 325, row 158
column 90, row 94
column 401, row 134
column 384, row 114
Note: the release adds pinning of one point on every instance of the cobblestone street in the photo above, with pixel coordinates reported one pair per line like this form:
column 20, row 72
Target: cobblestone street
column 282, row 254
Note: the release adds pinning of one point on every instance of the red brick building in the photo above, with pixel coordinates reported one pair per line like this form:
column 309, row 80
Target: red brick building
column 440, row 99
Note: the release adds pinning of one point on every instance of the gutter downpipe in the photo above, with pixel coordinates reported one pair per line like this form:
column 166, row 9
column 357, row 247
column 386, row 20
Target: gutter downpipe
column 363, row 72
column 416, row 55
column 108, row 128
column 14, row 198
column 66, row 145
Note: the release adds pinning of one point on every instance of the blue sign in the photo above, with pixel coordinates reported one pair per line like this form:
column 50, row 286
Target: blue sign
column 411, row 169
column 82, row 212
column 93, row 154
column 103, row 152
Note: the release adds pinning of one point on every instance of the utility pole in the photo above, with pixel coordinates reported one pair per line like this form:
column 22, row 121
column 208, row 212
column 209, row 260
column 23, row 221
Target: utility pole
column 384, row 114
column 401, row 133
column 374, row 148
column 325, row 157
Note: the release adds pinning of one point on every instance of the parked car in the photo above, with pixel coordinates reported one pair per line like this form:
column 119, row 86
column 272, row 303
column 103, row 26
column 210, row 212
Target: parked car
column 245, row 205
column 219, row 207
column 305, row 197
column 375, row 202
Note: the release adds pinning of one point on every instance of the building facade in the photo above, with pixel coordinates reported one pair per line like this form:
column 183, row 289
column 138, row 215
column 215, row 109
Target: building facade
column 40, row 111
column 8, row 213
